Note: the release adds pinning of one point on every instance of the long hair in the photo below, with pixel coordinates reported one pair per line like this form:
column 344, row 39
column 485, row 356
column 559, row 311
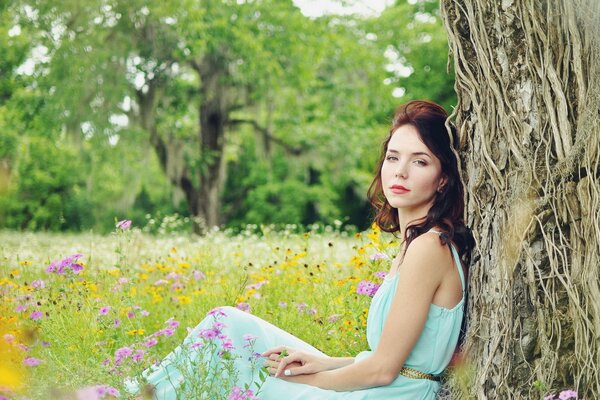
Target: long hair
column 447, row 211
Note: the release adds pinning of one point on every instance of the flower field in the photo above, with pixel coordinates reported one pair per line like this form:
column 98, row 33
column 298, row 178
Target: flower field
column 80, row 313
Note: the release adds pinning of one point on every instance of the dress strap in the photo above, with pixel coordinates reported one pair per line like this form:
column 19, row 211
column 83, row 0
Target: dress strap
column 456, row 262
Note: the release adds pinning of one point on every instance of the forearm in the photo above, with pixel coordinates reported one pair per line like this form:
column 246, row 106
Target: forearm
column 337, row 362
column 355, row 376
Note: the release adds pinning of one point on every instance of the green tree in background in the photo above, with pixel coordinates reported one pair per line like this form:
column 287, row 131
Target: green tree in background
column 238, row 113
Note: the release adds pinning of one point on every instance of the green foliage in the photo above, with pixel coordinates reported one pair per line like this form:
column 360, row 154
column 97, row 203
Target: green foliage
column 312, row 99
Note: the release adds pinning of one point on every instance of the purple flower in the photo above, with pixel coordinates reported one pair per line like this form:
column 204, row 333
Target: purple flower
column 227, row 344
column 104, row 310
column 333, row 318
column 381, row 274
column 36, row 315
column 243, row 306
column 130, row 314
column 217, row 312
column 218, row 326
column 38, row 284
column 249, row 337
column 197, row 344
column 121, row 354
column 151, row 342
column 172, row 323
column 123, row 280
column 138, row 356
column 301, row 307
column 208, row 333
column 60, row 267
column 144, row 313
column 377, row 256
column 20, row 308
column 567, row 394
column 96, row 392
column 238, row 393
column 123, row 224
column 282, row 304
column 367, row 287
column 32, row 361
column 198, row 275
column 166, row 332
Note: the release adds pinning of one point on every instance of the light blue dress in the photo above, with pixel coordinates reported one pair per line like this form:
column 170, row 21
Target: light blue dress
column 431, row 354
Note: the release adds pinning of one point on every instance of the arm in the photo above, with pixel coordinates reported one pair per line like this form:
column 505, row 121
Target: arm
column 302, row 362
column 421, row 276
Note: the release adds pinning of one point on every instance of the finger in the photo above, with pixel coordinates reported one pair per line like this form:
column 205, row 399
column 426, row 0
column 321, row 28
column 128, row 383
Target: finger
column 274, row 356
column 285, row 361
column 274, row 350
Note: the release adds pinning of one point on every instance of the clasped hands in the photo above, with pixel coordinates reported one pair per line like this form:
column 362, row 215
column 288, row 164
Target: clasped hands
column 282, row 361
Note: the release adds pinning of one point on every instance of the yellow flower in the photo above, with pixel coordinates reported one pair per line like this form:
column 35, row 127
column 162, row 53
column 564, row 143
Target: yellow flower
column 15, row 272
column 184, row 299
column 134, row 332
column 24, row 263
column 114, row 271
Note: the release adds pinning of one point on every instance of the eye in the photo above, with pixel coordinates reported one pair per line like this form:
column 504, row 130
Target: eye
column 391, row 158
column 420, row 163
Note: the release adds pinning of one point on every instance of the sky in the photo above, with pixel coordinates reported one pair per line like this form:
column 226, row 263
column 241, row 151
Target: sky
column 316, row 8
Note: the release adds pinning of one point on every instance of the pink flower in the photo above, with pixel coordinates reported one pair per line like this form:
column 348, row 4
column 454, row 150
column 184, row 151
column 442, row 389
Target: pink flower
column 333, row 318
column 367, row 287
column 96, row 392
column 381, row 274
column 217, row 312
column 151, row 342
column 243, row 306
column 238, row 393
column 123, row 224
column 197, row 344
column 116, row 323
column 38, row 284
column 138, row 356
column 32, row 361
column 36, row 315
column 377, row 256
column 227, row 344
column 198, row 275
column 8, row 338
column 172, row 323
column 104, row 310
column 208, row 333
column 20, row 308
column 567, row 394
column 249, row 337
column 121, row 354
column 144, row 313
column 60, row 267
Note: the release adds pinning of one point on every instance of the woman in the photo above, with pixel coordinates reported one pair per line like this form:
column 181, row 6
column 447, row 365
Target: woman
column 415, row 317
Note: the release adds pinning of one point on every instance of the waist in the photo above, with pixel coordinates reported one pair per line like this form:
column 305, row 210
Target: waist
column 416, row 374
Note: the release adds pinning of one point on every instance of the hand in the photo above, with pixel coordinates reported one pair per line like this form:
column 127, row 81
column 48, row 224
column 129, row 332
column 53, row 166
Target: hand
column 290, row 362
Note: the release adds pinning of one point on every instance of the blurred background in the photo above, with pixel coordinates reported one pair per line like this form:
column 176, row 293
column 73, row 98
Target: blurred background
column 207, row 112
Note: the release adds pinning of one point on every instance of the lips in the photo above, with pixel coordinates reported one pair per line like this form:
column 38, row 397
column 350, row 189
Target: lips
column 399, row 189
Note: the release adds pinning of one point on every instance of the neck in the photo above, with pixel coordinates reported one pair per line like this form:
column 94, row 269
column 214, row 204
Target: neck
column 407, row 216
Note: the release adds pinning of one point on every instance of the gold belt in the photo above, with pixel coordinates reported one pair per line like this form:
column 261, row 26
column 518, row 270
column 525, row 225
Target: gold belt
column 414, row 374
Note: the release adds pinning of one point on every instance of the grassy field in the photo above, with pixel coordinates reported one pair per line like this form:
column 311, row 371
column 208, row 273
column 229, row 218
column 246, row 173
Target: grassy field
column 71, row 302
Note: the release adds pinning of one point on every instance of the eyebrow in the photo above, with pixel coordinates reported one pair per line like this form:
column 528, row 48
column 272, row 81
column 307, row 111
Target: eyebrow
column 419, row 153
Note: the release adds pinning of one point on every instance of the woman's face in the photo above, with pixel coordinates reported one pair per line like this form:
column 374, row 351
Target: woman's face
column 410, row 173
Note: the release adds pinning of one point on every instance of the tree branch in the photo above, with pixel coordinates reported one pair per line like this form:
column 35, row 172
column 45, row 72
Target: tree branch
column 267, row 134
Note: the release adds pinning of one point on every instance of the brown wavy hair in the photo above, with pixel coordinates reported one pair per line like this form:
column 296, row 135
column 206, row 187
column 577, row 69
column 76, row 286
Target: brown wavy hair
column 447, row 211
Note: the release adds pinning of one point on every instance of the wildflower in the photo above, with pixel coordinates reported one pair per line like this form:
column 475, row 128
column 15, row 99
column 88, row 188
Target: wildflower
column 138, row 356
column 20, row 308
column 150, row 343
column 227, row 344
column 376, row 256
column 166, row 332
column 198, row 275
column 301, row 307
column 172, row 323
column 116, row 323
column 160, row 282
column 197, row 344
column 243, row 306
column 367, row 287
column 282, row 304
column 217, row 312
column 104, row 310
column 121, row 354
column 249, row 337
column 144, row 313
column 38, row 284
column 238, row 393
column 208, row 333
column 567, row 394
column 36, row 315
column 60, row 267
column 130, row 314
column 32, row 361
column 333, row 318
column 96, row 392
column 123, row 224
column 381, row 274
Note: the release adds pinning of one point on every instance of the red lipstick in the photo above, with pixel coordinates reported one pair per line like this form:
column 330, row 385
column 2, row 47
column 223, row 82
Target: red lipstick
column 399, row 189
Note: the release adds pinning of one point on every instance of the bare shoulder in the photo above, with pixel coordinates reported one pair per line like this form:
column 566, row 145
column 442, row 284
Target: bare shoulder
column 426, row 254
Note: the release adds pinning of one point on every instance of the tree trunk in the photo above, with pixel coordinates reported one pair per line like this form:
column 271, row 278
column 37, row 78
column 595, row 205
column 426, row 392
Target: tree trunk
column 213, row 119
column 528, row 83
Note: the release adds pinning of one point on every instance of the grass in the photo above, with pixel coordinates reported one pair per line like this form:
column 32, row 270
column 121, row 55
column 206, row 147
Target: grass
column 303, row 283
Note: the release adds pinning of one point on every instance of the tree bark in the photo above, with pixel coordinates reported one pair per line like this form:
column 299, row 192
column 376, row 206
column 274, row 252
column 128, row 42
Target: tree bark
column 528, row 83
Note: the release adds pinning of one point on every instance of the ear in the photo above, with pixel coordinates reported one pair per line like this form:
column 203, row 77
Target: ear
column 443, row 182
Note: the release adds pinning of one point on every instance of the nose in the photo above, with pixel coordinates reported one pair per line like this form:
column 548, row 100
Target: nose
column 401, row 170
